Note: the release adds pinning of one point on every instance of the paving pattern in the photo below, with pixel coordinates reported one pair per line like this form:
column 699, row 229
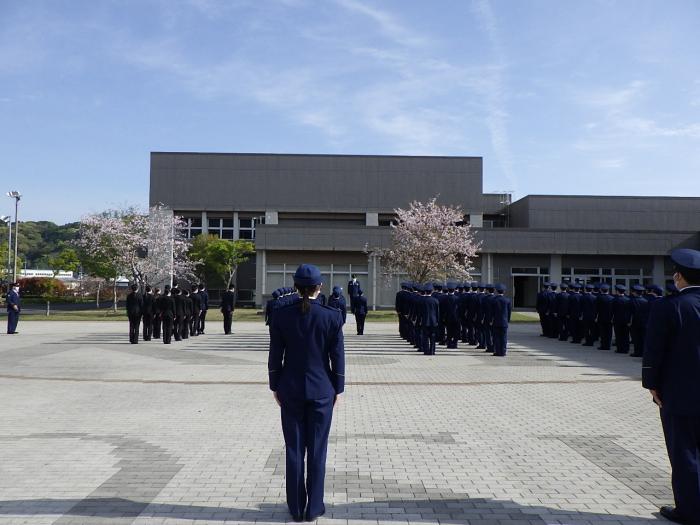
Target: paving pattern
column 97, row 431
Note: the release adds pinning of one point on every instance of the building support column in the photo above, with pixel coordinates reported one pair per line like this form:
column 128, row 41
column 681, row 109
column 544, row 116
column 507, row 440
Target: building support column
column 236, row 227
column 658, row 272
column 555, row 268
column 205, row 223
column 261, row 276
column 486, row 268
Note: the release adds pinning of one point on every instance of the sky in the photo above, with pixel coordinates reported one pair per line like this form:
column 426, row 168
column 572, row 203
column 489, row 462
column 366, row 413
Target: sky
column 595, row 97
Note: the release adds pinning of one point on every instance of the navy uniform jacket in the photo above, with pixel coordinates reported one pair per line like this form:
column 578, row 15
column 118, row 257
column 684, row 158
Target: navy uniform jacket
column 574, row 305
column 487, row 310
column 588, row 306
column 671, row 363
column 541, row 304
column 451, row 314
column 640, row 311
column 166, row 306
column 134, row 303
column 269, row 307
column 13, row 300
column 429, row 311
column 196, row 301
column 339, row 304
column 204, row 296
column 354, row 288
column 622, row 309
column 551, row 302
column 604, row 308
column 561, row 303
column 227, row 299
column 179, row 305
column 307, row 358
column 360, row 305
column 501, row 308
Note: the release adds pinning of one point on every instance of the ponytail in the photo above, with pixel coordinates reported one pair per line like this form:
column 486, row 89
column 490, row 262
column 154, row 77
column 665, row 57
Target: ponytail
column 306, row 292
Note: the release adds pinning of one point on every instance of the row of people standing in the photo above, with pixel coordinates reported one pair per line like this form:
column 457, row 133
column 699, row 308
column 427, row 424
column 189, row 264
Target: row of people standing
column 586, row 313
column 358, row 303
column 475, row 313
column 176, row 313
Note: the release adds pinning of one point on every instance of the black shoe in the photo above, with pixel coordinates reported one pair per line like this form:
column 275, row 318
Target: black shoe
column 298, row 519
column 636, row 355
column 479, row 347
column 671, row 514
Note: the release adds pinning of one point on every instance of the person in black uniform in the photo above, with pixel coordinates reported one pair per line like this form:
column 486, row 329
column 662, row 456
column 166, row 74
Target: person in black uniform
column 148, row 314
column 270, row 306
column 353, row 291
column 166, row 307
column 228, row 300
column 178, row 299
column 196, row 310
column 204, row 306
column 187, row 317
column 502, row 309
column 360, row 312
column 451, row 316
column 541, row 308
column 134, row 310
column 562, row 309
column 156, row 323
column 671, row 371
column 604, row 315
column 307, row 375
column 429, row 314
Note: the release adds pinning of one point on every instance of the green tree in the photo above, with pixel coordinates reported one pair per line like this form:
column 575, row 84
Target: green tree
column 67, row 261
column 219, row 257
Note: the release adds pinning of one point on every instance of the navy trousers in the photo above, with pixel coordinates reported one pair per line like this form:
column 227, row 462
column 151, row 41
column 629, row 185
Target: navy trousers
column 605, row 335
column 306, row 425
column 360, row 322
column 134, row 322
column 12, row 320
column 682, row 435
column 500, row 340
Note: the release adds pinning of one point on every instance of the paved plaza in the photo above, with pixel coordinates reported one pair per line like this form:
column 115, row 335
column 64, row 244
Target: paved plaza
column 97, row 431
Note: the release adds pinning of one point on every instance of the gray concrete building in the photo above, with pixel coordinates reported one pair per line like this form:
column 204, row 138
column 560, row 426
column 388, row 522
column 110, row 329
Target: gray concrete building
column 327, row 209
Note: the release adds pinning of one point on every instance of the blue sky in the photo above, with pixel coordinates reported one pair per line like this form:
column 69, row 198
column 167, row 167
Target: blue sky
column 558, row 96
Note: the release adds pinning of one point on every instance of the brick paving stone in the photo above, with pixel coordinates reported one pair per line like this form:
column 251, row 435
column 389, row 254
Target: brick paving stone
column 99, row 431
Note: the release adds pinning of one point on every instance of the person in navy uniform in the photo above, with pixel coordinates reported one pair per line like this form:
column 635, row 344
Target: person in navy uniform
column 487, row 312
column 187, row 319
column 204, row 306
column 196, row 310
column 270, row 306
column 360, row 312
column 147, row 314
column 451, row 316
column 429, row 314
column 353, row 290
column 166, row 307
column 14, row 307
column 640, row 316
column 228, row 298
column 501, row 312
column 178, row 320
column 604, row 315
column 541, row 308
column 552, row 320
column 588, row 313
column 622, row 316
column 671, row 371
column 307, row 375
column 134, row 311
column 337, row 301
column 562, row 310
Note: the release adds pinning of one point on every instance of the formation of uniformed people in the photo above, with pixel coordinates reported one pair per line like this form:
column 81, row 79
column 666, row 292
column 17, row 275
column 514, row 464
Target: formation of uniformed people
column 671, row 372
column 174, row 313
column 431, row 314
column 596, row 312
column 307, row 374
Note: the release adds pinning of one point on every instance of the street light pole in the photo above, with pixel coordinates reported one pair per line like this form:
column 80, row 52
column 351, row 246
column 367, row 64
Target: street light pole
column 17, row 196
column 7, row 219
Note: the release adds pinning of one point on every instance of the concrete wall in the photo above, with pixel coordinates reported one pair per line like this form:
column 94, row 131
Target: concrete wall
column 310, row 183
column 606, row 213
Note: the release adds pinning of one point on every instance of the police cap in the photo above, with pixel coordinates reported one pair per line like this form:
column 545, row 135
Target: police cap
column 307, row 275
column 686, row 258
column 620, row 287
column 500, row 287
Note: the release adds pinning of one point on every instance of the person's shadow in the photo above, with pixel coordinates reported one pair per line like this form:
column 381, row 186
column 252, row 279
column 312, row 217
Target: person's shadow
column 451, row 510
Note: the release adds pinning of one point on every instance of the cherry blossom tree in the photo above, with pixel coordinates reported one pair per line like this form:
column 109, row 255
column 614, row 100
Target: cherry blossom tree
column 149, row 248
column 430, row 242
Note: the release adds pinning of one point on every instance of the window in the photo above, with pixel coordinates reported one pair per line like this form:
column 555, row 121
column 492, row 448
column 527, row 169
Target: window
column 221, row 227
column 246, row 227
column 332, row 275
column 193, row 226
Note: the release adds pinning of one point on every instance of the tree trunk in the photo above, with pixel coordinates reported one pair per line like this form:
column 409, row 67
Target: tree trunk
column 114, row 290
column 97, row 295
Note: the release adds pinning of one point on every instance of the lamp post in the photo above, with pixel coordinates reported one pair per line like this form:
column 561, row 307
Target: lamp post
column 17, row 196
column 8, row 220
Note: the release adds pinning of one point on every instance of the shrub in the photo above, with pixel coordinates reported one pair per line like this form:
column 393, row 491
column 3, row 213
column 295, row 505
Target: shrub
column 42, row 287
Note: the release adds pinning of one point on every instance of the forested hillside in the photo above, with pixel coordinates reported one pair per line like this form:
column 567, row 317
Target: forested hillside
column 38, row 240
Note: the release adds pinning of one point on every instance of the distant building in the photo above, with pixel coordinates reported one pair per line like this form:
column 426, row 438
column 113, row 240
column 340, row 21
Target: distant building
column 325, row 209
column 61, row 275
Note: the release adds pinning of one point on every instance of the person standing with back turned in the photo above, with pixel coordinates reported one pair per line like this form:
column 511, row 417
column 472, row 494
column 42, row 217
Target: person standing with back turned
column 307, row 374
column 671, row 371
